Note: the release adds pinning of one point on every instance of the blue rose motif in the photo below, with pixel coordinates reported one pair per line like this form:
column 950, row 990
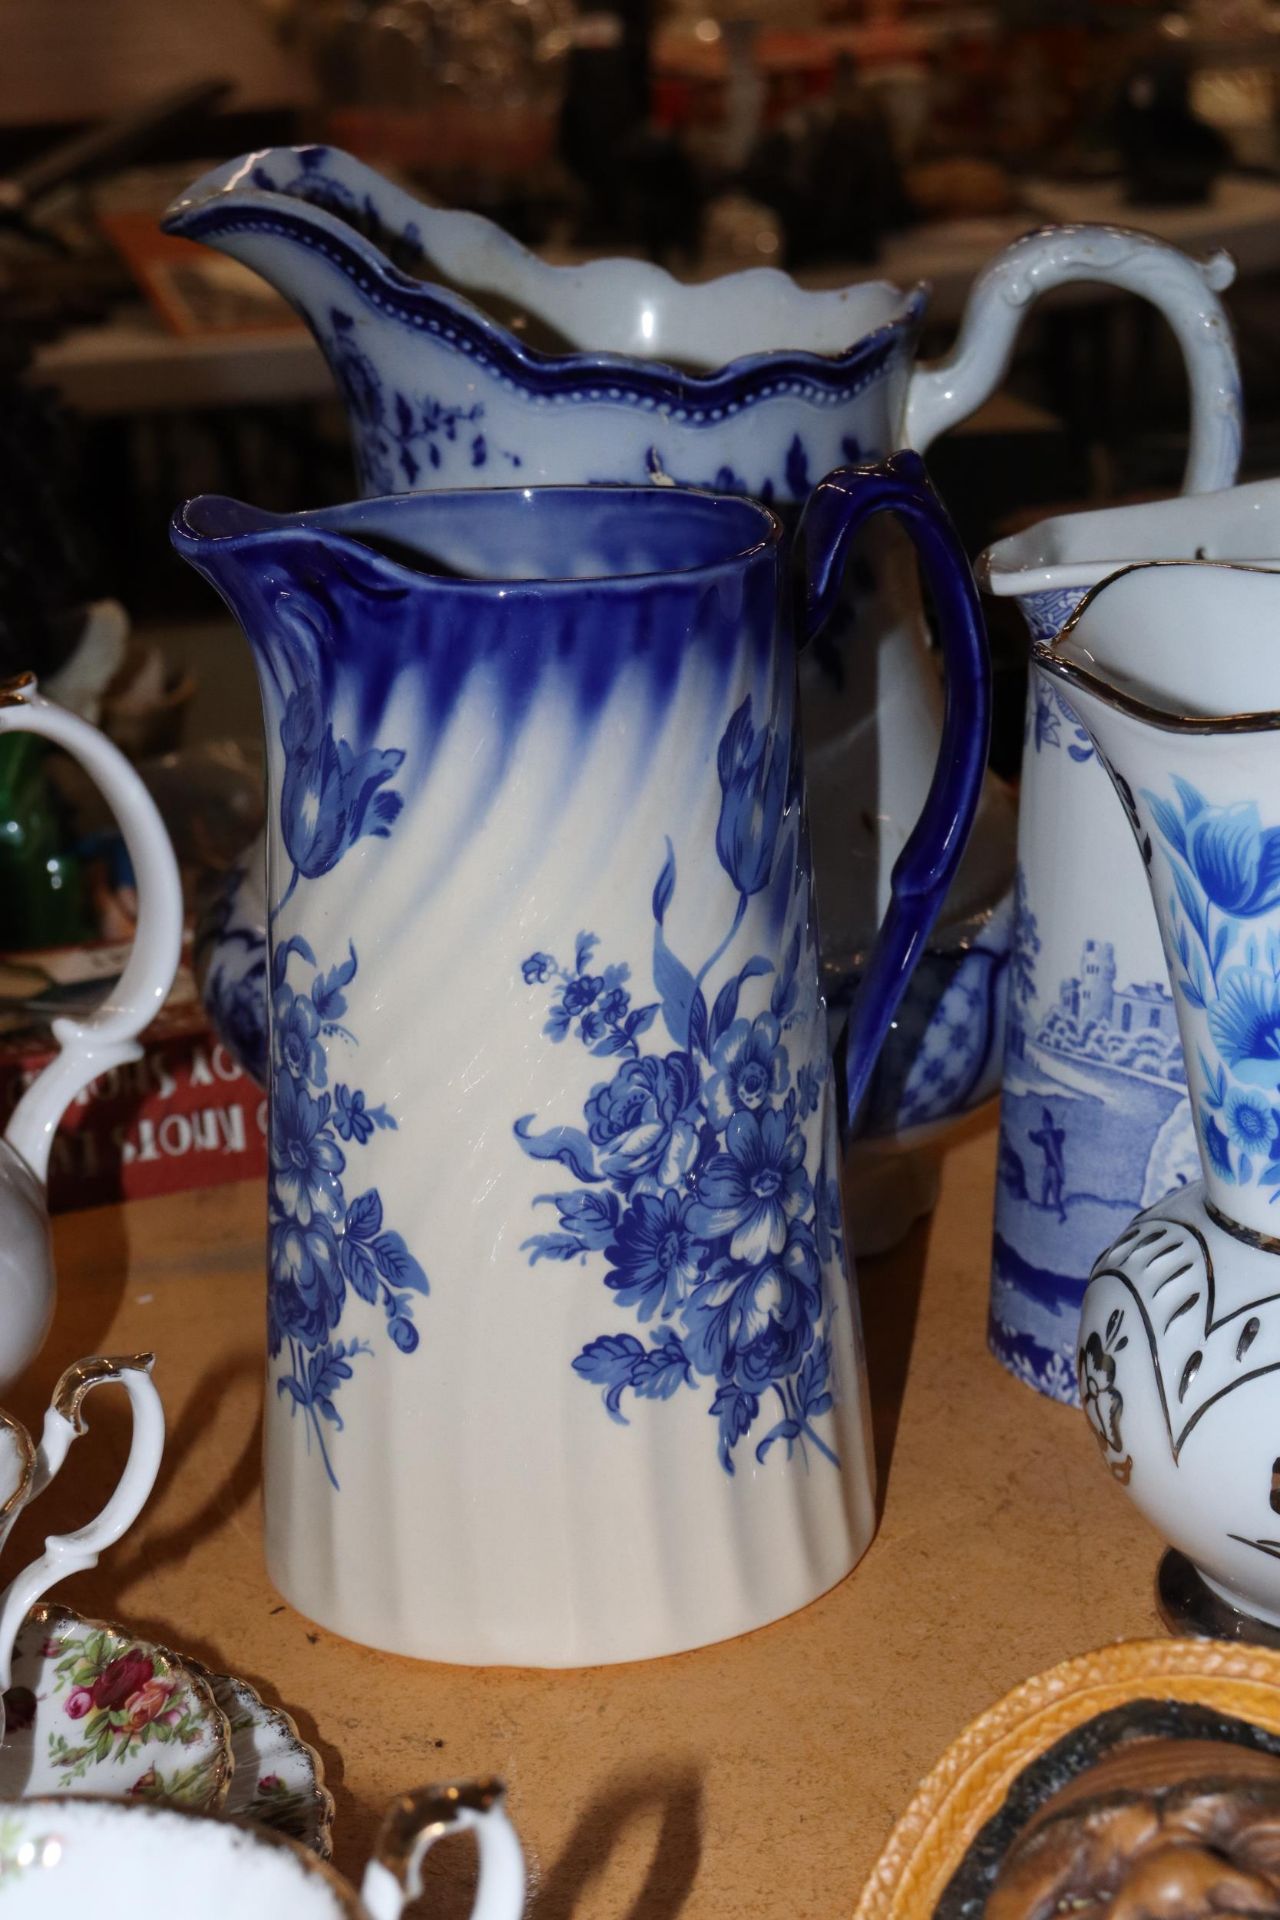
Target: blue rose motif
column 755, row 1187
column 753, row 790
column 692, row 1163
column 305, row 1158
column 297, row 1035
column 1245, row 1024
column 1251, row 1122
column 578, row 994
column 330, row 796
column 1235, row 860
column 750, row 1068
column 645, row 1120
column 307, row 1291
column 753, row 1325
column 655, row 1256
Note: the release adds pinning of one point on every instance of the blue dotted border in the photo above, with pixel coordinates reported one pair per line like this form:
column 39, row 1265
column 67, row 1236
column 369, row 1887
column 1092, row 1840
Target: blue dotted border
column 694, row 400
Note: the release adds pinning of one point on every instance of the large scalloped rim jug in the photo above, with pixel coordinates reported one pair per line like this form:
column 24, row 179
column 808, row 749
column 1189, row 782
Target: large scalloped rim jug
column 464, row 360
column 556, row 1269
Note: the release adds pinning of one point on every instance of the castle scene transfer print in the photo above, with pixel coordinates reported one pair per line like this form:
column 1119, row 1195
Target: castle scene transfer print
column 1095, row 1125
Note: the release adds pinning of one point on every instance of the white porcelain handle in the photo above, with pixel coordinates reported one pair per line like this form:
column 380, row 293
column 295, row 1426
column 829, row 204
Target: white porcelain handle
column 411, row 1828
column 68, row 1553
column 1184, row 290
column 108, row 1036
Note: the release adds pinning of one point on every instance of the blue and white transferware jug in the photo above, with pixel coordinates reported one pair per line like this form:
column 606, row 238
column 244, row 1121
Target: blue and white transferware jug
column 465, row 360
column 1094, row 1119
column 1174, row 672
column 564, row 1359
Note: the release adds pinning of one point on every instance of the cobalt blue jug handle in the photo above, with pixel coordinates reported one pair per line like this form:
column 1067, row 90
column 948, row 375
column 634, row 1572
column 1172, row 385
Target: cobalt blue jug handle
column 837, row 510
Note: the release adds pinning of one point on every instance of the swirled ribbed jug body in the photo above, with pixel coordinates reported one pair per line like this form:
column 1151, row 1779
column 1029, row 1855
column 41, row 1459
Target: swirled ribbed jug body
column 564, row 1359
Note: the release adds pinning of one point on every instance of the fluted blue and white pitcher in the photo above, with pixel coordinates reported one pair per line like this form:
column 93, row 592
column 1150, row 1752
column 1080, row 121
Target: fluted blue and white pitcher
column 565, row 1363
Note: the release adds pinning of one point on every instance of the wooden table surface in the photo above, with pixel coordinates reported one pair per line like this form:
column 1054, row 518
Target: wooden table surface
column 761, row 1776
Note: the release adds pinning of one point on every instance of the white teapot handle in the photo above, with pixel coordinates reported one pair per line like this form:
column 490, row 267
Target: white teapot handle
column 108, row 1036
column 411, row 1828
column 1184, row 290
column 69, row 1553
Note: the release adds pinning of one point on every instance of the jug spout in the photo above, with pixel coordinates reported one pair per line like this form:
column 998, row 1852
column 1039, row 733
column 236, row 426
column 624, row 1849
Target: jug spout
column 350, row 253
column 303, row 585
column 249, row 557
column 280, row 208
column 1172, row 671
column 205, row 526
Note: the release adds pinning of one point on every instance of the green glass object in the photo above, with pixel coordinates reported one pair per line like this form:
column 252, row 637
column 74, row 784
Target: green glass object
column 42, row 893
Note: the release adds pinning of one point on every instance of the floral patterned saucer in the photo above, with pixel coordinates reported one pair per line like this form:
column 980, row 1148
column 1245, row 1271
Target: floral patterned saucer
column 93, row 1710
column 278, row 1780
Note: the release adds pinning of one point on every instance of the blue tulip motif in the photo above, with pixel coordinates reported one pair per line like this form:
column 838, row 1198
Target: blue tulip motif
column 331, row 796
column 753, row 791
column 330, row 1251
column 1225, row 867
column 1235, row 859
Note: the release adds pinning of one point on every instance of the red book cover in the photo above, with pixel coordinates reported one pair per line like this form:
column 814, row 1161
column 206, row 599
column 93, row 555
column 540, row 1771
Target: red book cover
column 185, row 1115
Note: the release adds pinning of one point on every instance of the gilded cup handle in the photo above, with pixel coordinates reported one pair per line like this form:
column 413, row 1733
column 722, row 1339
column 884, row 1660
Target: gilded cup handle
column 75, row 1552
column 412, row 1826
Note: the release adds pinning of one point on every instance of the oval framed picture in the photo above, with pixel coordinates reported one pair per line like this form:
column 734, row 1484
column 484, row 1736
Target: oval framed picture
column 1089, row 1778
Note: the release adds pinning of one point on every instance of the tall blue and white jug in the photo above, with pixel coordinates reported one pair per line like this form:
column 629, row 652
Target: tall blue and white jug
column 564, row 1357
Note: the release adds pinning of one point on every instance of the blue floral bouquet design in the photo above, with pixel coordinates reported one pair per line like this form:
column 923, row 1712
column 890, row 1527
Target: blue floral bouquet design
column 692, row 1183
column 324, row 1247
column 1226, row 875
